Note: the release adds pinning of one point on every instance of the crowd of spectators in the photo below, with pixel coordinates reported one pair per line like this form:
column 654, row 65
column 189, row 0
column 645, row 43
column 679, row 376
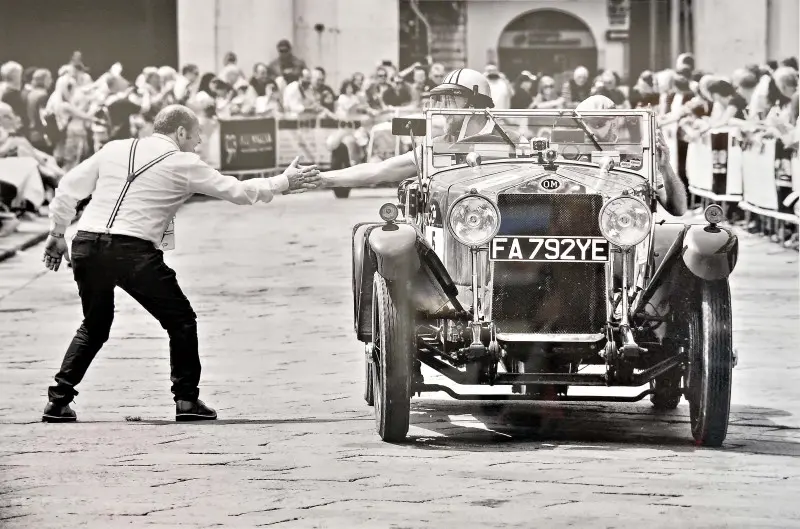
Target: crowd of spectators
column 48, row 123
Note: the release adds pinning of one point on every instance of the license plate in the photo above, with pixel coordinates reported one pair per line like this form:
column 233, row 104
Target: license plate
column 550, row 249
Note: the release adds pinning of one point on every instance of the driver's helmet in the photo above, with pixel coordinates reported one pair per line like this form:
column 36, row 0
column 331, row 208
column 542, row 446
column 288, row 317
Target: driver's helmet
column 462, row 88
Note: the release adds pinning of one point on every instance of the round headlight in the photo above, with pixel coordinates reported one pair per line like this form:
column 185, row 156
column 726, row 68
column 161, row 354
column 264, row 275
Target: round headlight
column 625, row 221
column 473, row 220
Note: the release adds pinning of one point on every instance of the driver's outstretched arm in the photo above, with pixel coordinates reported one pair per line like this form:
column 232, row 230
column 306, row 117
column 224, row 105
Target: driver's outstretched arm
column 673, row 195
column 394, row 169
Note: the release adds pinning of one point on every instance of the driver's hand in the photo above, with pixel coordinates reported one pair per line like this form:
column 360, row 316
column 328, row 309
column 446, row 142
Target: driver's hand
column 302, row 177
column 662, row 150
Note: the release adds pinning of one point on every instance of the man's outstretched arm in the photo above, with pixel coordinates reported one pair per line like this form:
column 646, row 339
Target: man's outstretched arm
column 394, row 169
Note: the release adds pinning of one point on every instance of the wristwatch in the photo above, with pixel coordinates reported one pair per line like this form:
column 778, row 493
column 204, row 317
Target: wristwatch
column 56, row 235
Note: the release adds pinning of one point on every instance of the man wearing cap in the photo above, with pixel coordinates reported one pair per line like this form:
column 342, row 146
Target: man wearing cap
column 137, row 185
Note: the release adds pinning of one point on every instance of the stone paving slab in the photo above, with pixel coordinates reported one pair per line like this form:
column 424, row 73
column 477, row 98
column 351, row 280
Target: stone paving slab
column 295, row 444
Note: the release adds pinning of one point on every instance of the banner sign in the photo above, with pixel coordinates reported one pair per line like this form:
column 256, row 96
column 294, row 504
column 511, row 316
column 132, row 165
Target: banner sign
column 713, row 165
column 248, row 144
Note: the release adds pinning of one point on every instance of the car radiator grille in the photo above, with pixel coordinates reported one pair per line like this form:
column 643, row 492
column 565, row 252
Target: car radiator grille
column 557, row 297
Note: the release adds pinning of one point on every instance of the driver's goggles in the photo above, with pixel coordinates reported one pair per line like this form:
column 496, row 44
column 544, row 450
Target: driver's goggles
column 448, row 101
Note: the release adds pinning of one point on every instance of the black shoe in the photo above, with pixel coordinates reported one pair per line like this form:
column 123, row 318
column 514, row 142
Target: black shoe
column 188, row 410
column 58, row 413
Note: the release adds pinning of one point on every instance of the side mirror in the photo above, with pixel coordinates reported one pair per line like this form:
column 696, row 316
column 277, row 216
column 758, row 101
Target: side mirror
column 405, row 126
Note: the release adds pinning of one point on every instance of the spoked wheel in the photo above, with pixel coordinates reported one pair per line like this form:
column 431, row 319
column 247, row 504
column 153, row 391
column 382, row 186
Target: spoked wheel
column 393, row 338
column 369, row 387
column 710, row 371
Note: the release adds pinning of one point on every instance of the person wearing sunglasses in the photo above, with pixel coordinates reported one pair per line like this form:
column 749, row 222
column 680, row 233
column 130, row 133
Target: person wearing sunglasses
column 548, row 97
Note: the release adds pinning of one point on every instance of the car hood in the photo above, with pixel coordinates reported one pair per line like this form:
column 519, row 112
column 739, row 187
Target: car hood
column 527, row 177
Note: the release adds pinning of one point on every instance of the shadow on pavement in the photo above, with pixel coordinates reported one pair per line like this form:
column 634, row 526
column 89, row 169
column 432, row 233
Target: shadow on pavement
column 255, row 422
column 522, row 426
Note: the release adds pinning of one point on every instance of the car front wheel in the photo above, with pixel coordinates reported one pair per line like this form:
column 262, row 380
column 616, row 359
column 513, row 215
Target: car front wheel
column 393, row 340
column 709, row 375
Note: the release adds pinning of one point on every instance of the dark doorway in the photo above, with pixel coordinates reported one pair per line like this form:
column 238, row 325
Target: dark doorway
column 44, row 33
column 548, row 41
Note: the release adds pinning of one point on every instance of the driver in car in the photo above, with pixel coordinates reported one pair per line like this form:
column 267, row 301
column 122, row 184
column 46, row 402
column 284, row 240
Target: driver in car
column 460, row 89
column 669, row 188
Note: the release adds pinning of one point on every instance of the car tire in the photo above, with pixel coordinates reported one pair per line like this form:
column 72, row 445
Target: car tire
column 369, row 383
column 341, row 192
column 709, row 375
column 393, row 339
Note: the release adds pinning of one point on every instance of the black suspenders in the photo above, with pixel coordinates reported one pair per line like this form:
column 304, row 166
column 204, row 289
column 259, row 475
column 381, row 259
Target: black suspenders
column 132, row 175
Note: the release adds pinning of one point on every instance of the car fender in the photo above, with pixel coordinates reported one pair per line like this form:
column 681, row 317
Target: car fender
column 364, row 267
column 710, row 252
column 395, row 249
column 701, row 251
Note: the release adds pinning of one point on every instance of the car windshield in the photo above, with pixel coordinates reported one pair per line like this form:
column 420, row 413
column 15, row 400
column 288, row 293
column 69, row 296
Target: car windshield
column 574, row 136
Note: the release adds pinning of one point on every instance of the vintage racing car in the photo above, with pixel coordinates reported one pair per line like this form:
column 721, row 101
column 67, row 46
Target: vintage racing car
column 531, row 256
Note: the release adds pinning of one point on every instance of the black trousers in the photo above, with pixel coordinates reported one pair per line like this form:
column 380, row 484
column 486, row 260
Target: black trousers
column 101, row 262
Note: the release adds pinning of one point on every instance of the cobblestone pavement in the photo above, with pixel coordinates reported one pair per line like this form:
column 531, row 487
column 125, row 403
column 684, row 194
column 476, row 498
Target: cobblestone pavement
column 295, row 444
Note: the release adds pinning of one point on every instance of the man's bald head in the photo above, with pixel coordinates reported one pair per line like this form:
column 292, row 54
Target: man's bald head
column 179, row 123
column 171, row 117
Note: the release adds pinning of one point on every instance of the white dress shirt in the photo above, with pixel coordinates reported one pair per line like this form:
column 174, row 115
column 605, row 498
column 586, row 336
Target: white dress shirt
column 154, row 196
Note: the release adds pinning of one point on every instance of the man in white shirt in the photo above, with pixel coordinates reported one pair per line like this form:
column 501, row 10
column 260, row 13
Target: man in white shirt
column 298, row 97
column 137, row 186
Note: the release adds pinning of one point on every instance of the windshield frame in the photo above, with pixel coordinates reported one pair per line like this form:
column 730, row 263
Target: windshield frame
column 646, row 115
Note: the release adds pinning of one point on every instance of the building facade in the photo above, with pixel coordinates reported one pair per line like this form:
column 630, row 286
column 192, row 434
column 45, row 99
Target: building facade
column 342, row 36
column 347, row 36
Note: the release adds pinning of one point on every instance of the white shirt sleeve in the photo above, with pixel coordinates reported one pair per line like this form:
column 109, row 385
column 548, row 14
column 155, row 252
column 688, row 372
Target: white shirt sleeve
column 76, row 185
column 204, row 179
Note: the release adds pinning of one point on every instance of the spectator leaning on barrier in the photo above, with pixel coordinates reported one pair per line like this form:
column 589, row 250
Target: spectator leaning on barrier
column 260, row 79
column 398, row 94
column 324, row 93
column 120, row 240
column 376, row 87
column 298, row 97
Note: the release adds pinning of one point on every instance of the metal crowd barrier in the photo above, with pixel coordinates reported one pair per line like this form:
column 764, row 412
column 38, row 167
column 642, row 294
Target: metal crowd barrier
column 248, row 147
column 732, row 167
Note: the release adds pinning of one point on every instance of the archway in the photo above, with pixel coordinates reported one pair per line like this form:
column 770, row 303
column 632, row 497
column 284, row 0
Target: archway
column 548, row 41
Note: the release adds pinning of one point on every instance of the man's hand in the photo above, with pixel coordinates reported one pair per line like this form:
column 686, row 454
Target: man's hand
column 662, row 150
column 54, row 249
column 302, row 177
